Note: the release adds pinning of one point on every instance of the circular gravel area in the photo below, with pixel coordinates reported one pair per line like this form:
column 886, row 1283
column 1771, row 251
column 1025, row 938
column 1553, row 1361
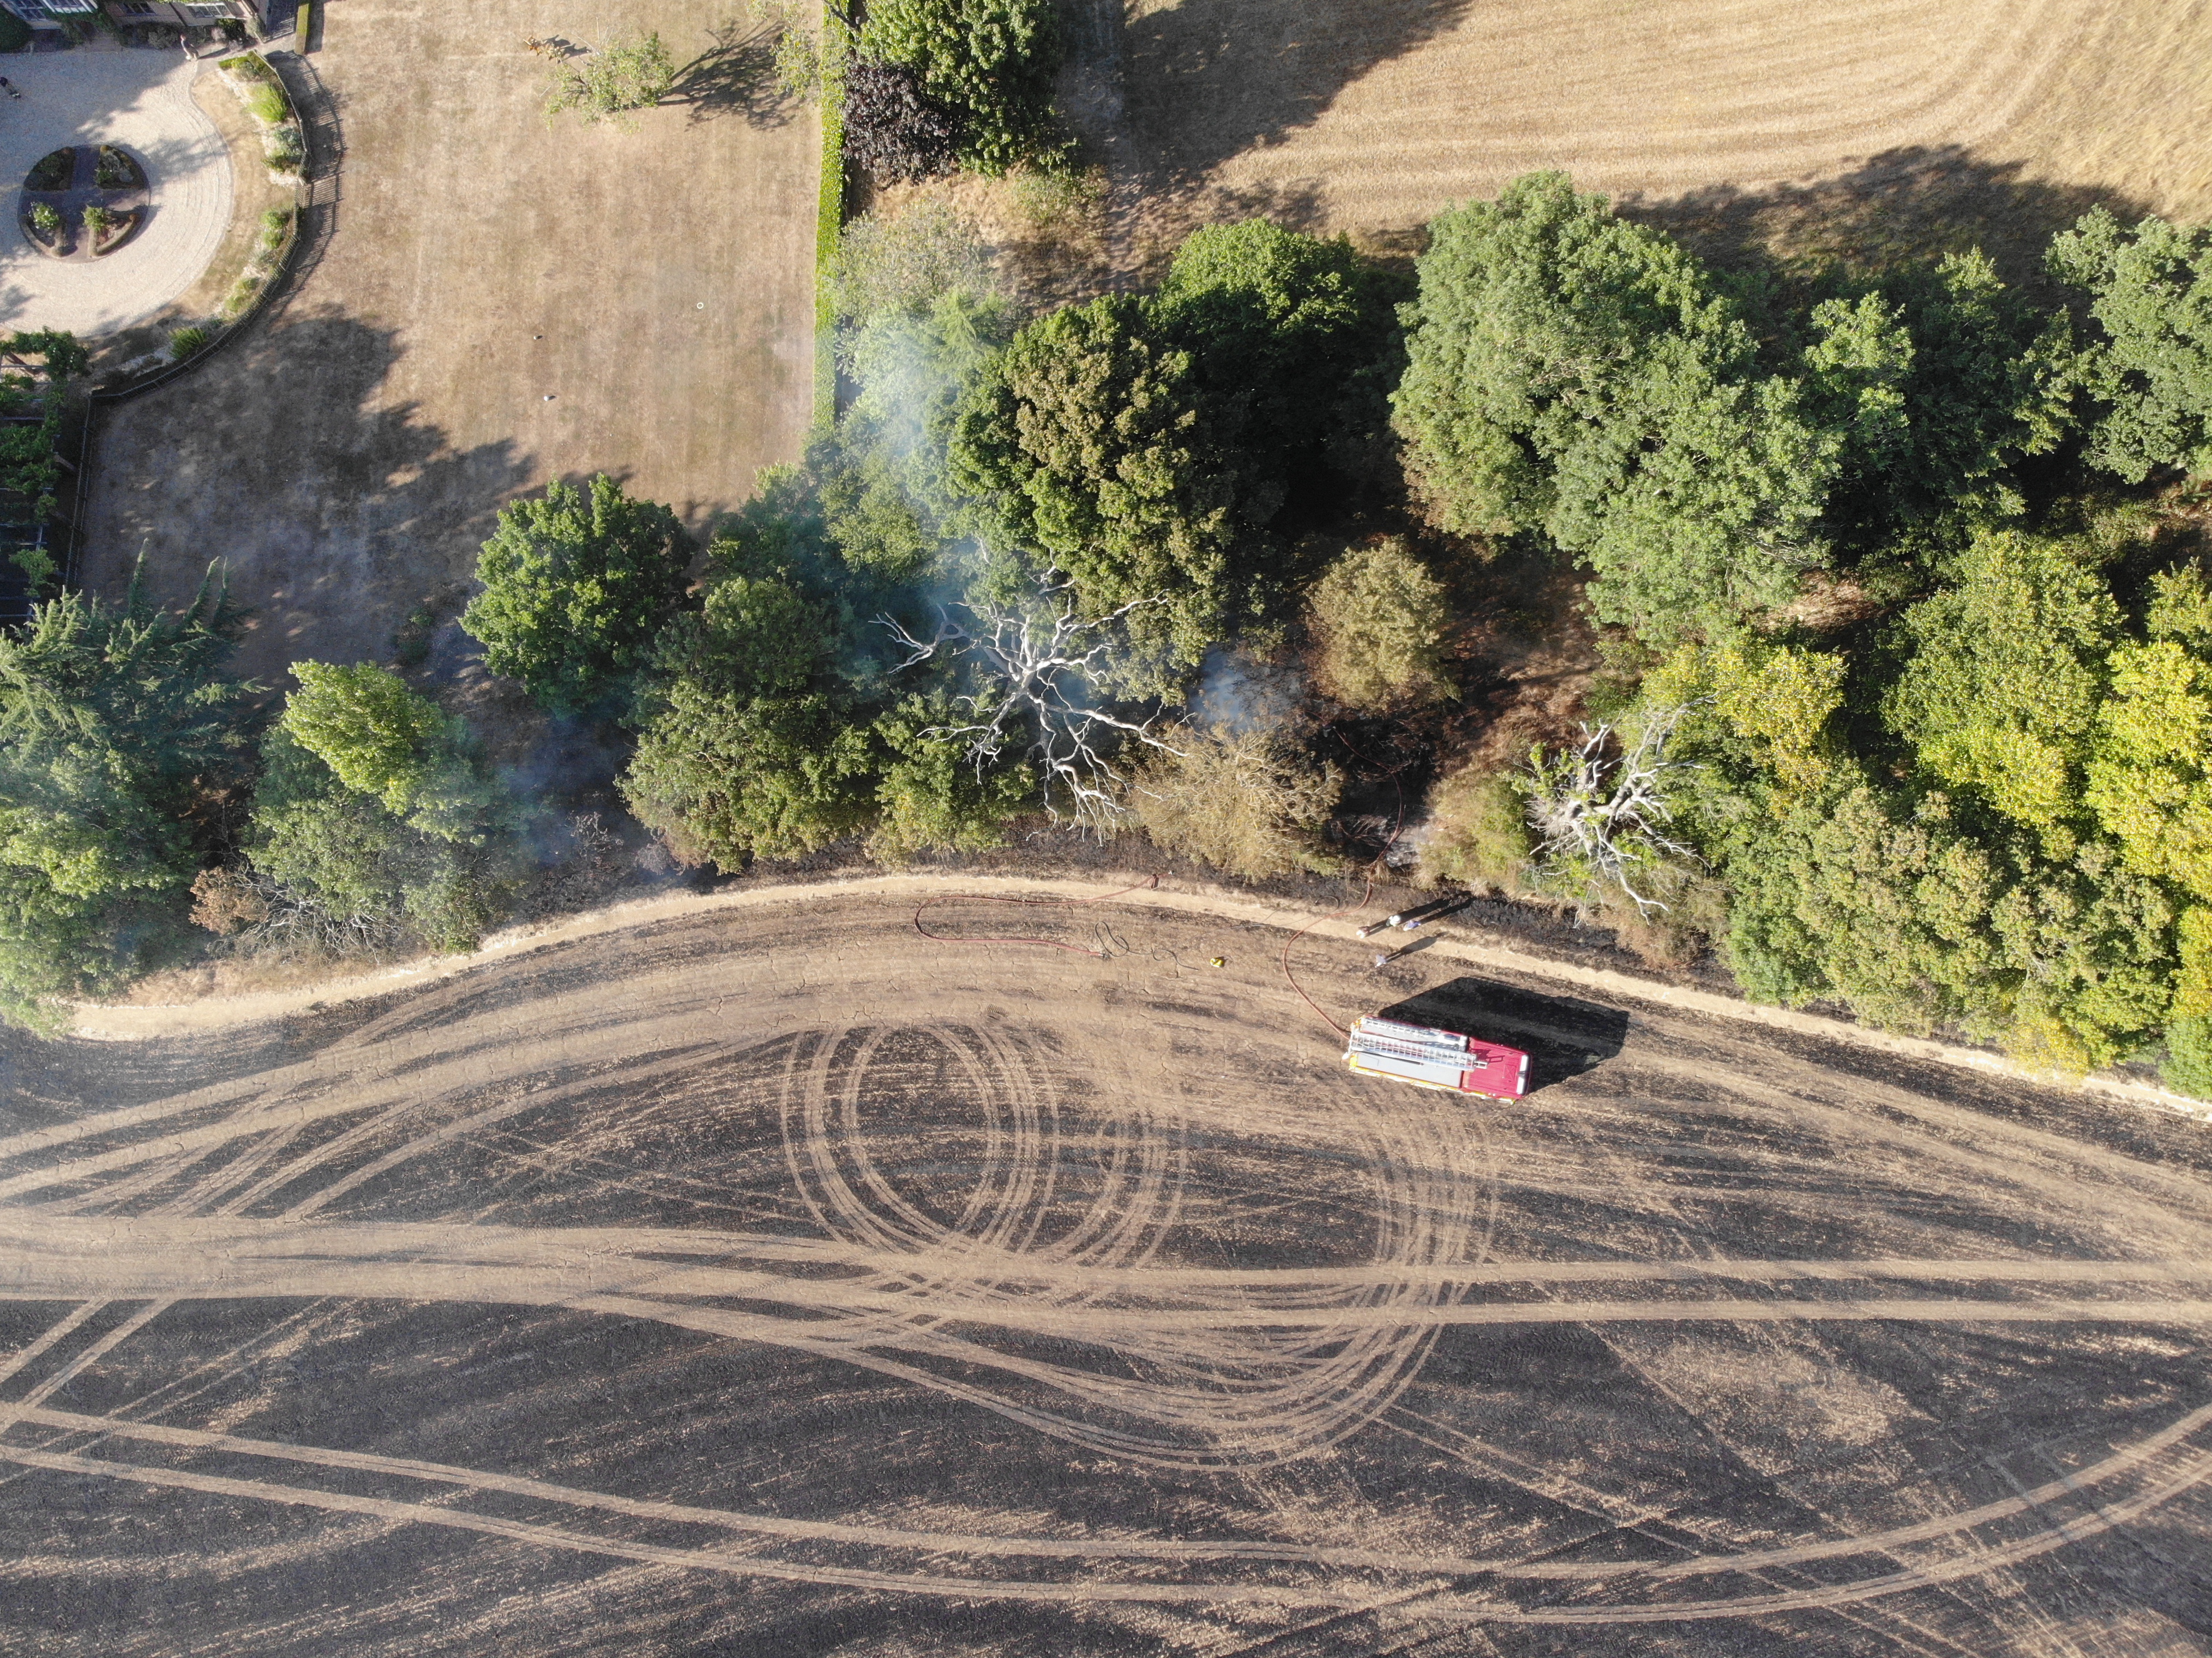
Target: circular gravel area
column 141, row 100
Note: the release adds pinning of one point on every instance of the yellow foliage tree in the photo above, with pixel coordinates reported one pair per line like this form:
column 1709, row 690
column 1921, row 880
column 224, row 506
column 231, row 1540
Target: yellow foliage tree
column 1777, row 698
column 1380, row 617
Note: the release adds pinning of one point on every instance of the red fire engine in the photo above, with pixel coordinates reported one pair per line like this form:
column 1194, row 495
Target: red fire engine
column 1430, row 1058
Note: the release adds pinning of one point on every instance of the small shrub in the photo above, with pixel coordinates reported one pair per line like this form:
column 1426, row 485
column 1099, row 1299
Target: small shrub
column 1048, row 199
column 249, row 66
column 39, row 566
column 2188, row 1065
column 227, row 901
column 276, row 227
column 903, row 262
column 1478, row 832
column 612, row 83
column 411, row 640
column 284, row 148
column 894, row 130
column 97, row 219
column 45, row 220
column 185, row 341
column 1252, row 806
column 265, row 103
column 1380, row 618
column 242, row 295
column 116, row 170
column 1696, row 914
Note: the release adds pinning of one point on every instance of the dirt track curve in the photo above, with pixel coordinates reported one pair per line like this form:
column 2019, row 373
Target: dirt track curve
column 772, row 1279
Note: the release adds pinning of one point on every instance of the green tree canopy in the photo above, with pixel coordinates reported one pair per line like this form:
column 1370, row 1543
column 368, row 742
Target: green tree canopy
column 1570, row 372
column 1754, row 711
column 993, row 61
column 932, row 796
column 1379, row 616
column 2149, row 776
column 117, row 725
column 2149, row 292
column 1144, row 446
column 1084, row 447
column 1939, row 383
column 724, row 778
column 610, row 84
column 2000, row 693
column 1891, row 908
column 748, row 745
column 576, row 585
column 379, row 738
column 882, row 473
column 1286, row 330
column 372, row 871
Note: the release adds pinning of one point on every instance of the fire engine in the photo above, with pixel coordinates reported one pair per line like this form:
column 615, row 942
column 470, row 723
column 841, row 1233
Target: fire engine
column 1428, row 1058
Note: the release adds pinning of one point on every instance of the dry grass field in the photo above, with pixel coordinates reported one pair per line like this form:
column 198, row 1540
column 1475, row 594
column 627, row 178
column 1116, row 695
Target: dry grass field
column 1909, row 120
column 504, row 301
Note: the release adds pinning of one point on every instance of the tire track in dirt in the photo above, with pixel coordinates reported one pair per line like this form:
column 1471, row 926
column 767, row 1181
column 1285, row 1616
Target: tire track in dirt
column 2102, row 1517
column 2126, row 1461
column 1209, row 1252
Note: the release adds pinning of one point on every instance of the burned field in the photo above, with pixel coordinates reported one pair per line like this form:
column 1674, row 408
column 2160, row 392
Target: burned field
column 788, row 1281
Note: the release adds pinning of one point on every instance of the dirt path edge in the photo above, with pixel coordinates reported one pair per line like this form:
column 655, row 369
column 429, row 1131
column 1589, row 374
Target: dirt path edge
column 108, row 1022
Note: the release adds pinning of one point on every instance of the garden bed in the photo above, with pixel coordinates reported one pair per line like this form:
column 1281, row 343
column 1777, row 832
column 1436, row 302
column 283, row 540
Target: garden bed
column 261, row 94
column 120, row 225
column 244, row 264
column 118, row 169
column 55, row 171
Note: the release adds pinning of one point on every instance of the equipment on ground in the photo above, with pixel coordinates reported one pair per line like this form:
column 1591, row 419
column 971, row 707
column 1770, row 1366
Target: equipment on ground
column 1411, row 920
column 1430, row 1058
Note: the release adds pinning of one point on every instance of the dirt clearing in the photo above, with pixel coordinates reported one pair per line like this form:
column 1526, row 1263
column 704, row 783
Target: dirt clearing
column 780, row 1280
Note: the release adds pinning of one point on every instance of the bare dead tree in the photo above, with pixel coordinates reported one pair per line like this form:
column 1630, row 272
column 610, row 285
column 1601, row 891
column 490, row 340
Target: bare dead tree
column 1597, row 810
column 1036, row 673
column 257, row 910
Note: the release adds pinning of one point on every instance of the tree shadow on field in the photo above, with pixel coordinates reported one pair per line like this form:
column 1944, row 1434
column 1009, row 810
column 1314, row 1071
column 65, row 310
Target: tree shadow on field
column 333, row 517
column 1900, row 207
column 1207, row 79
column 1562, row 1036
column 736, row 76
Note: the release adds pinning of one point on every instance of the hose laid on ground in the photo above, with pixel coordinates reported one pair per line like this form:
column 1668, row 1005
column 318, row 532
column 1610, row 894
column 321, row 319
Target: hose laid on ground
column 1354, row 910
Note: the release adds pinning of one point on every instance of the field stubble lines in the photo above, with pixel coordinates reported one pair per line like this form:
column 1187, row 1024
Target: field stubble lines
column 1745, row 94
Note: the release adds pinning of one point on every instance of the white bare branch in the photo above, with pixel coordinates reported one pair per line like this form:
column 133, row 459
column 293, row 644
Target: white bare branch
column 1037, row 674
column 1598, row 816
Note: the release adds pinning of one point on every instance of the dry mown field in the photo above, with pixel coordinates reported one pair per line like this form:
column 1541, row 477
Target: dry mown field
column 1909, row 120
column 503, row 302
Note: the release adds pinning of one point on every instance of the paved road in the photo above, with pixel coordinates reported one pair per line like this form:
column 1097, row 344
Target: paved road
column 141, row 100
column 781, row 1281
